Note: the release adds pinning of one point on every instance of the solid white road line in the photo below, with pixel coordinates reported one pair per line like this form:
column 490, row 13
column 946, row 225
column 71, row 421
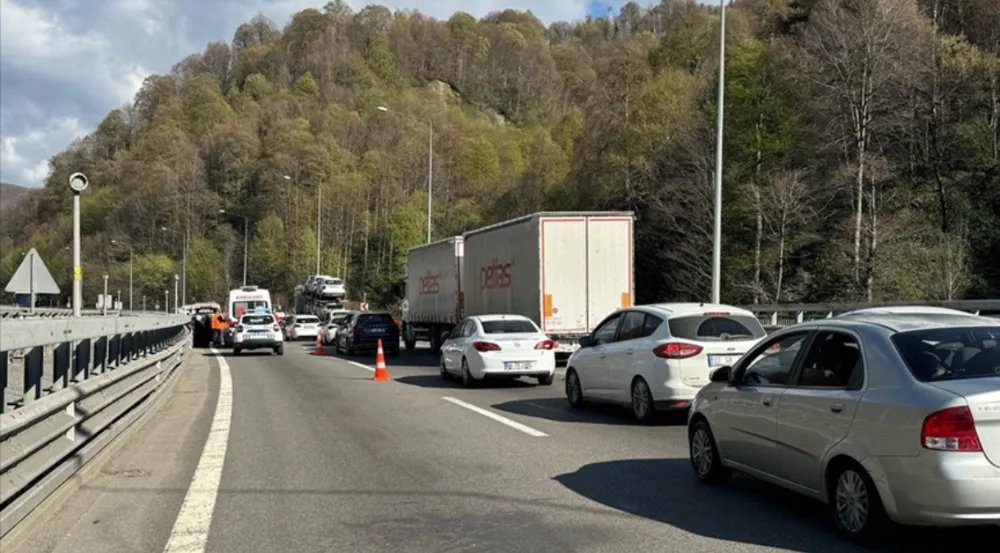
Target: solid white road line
column 362, row 365
column 190, row 533
column 501, row 419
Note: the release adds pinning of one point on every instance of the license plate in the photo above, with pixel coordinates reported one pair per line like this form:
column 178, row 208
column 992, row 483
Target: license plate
column 517, row 366
column 376, row 330
column 722, row 360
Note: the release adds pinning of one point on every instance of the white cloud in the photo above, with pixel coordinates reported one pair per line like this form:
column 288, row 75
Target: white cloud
column 65, row 64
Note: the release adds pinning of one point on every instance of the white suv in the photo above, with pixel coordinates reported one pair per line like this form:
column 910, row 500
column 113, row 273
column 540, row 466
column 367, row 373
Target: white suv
column 258, row 331
column 656, row 357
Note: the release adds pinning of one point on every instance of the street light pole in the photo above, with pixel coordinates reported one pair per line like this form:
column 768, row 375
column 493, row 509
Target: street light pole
column 717, row 231
column 319, row 226
column 104, row 298
column 246, row 249
column 176, row 282
column 78, row 183
column 430, row 176
column 184, row 262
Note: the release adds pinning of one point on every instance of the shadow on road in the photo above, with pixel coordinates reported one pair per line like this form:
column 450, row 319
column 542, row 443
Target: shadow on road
column 745, row 510
column 557, row 409
column 435, row 381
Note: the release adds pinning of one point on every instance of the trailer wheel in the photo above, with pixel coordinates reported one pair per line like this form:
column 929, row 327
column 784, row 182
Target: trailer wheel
column 409, row 338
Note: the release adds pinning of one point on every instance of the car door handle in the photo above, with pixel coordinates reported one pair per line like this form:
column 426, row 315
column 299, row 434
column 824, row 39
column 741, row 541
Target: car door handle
column 630, row 352
column 766, row 401
column 836, row 407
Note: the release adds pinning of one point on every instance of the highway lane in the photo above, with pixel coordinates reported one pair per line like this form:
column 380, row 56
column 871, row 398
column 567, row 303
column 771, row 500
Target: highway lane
column 320, row 458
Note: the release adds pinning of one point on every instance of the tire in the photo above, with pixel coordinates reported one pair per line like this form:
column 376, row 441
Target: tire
column 445, row 375
column 705, row 460
column 410, row 345
column 350, row 350
column 280, row 350
column 855, row 504
column 643, row 409
column 237, row 350
column 467, row 379
column 574, row 390
column 546, row 380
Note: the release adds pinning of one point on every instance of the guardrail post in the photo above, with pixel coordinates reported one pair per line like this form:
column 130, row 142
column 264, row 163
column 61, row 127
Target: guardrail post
column 115, row 356
column 34, row 366
column 3, row 380
column 101, row 355
column 81, row 361
column 60, row 366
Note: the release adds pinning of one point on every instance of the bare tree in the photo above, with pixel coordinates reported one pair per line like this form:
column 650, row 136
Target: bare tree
column 788, row 205
column 857, row 50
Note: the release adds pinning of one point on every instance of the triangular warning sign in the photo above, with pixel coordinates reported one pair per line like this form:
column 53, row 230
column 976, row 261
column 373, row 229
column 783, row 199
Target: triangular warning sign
column 32, row 277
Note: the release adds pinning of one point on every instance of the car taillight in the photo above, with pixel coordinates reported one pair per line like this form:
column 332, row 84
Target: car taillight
column 297, row 326
column 950, row 430
column 677, row 350
column 239, row 328
column 546, row 344
column 486, row 346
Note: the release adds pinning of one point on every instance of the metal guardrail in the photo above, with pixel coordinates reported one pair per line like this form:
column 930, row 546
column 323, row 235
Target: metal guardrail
column 102, row 374
column 8, row 312
column 779, row 315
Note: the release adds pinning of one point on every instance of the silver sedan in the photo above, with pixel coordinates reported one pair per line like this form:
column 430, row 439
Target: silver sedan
column 882, row 415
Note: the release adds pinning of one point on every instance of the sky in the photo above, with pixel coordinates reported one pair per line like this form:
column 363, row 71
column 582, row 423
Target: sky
column 64, row 64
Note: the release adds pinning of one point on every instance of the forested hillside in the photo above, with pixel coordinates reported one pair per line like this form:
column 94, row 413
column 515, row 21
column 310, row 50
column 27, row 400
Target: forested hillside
column 862, row 149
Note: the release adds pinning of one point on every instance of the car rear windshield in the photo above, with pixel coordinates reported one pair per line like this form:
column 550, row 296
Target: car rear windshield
column 257, row 319
column 333, row 281
column 307, row 320
column 375, row 319
column 715, row 328
column 508, row 327
column 950, row 353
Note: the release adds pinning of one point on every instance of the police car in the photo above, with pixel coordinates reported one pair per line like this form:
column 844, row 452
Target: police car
column 258, row 330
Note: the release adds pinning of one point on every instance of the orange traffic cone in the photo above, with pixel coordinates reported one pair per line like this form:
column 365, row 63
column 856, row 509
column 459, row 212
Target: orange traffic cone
column 380, row 372
column 319, row 345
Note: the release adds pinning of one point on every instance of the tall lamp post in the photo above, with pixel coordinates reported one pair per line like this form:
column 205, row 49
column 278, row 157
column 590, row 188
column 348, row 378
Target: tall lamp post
column 77, row 183
column 246, row 241
column 430, row 165
column 717, row 231
column 131, row 256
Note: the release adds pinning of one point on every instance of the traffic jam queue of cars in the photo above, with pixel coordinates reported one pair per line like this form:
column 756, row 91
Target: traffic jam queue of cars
column 882, row 414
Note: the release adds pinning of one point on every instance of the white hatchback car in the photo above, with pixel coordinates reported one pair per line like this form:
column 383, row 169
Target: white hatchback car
column 498, row 346
column 302, row 327
column 657, row 357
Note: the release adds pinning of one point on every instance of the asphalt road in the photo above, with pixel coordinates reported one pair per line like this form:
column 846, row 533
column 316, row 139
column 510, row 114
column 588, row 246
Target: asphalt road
column 319, row 458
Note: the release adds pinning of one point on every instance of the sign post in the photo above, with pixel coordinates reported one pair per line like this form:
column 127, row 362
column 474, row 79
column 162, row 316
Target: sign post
column 32, row 278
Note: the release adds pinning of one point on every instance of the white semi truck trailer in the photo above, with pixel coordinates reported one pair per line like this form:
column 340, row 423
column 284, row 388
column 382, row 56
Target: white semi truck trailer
column 564, row 270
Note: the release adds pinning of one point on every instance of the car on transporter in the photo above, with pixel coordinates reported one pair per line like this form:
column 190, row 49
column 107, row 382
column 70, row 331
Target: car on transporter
column 882, row 414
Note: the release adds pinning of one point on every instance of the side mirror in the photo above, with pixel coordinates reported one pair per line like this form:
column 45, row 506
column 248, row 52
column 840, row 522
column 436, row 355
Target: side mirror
column 586, row 342
column 722, row 374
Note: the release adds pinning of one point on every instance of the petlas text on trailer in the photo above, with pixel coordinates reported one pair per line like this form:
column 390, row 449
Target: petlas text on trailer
column 564, row 270
column 433, row 291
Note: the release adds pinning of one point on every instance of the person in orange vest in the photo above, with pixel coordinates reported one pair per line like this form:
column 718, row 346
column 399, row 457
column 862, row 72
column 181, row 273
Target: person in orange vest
column 218, row 327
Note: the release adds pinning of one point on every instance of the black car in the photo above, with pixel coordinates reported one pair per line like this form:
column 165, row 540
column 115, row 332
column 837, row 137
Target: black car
column 362, row 332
